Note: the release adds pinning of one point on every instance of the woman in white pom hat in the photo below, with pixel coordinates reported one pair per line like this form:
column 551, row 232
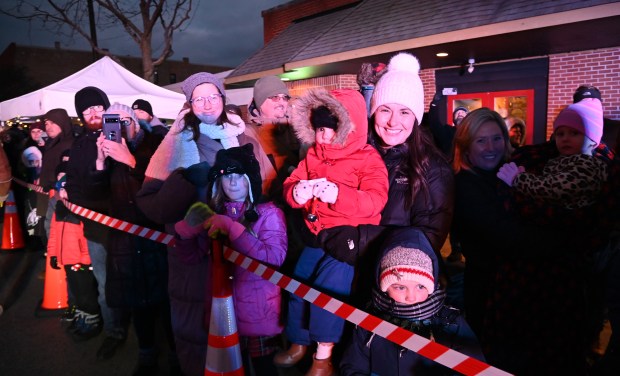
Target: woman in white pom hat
column 421, row 180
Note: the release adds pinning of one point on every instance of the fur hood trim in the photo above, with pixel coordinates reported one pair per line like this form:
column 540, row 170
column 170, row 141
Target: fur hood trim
column 347, row 105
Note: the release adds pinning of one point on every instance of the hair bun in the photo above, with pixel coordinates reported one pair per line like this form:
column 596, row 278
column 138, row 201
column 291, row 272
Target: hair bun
column 404, row 62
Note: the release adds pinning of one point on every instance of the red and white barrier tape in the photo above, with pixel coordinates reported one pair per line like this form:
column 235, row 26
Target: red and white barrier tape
column 117, row 224
column 421, row 345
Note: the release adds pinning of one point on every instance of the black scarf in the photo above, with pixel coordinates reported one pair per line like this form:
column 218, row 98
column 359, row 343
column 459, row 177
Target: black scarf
column 414, row 317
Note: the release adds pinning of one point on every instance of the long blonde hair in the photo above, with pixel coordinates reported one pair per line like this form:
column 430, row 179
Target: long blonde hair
column 466, row 131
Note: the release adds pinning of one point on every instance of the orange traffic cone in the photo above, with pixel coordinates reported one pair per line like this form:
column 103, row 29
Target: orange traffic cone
column 12, row 237
column 55, row 296
column 223, row 350
column 55, row 289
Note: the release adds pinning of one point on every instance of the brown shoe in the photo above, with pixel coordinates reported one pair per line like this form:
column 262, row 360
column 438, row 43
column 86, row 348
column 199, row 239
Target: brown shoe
column 321, row 367
column 291, row 356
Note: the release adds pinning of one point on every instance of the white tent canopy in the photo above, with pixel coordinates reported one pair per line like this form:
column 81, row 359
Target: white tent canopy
column 118, row 83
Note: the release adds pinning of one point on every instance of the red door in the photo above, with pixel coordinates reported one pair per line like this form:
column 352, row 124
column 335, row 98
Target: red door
column 517, row 103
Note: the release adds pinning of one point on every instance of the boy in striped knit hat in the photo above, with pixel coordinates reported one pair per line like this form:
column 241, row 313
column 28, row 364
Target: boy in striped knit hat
column 408, row 294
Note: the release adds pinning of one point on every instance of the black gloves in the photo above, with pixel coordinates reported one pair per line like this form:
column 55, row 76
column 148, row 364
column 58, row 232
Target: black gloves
column 54, row 263
column 348, row 243
column 197, row 174
column 341, row 243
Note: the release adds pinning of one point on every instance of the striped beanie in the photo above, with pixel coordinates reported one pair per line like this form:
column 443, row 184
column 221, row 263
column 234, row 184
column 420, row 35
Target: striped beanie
column 407, row 264
column 401, row 84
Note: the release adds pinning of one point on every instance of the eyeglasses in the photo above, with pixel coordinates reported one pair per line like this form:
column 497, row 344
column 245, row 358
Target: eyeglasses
column 125, row 122
column 278, row 97
column 201, row 101
column 97, row 108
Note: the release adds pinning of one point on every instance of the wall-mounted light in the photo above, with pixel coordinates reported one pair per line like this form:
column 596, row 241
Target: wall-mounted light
column 441, row 54
column 470, row 69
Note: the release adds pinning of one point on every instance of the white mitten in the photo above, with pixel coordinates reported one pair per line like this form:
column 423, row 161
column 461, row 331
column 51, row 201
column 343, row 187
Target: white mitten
column 302, row 192
column 326, row 191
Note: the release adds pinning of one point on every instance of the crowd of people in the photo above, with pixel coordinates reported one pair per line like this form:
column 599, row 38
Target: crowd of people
column 350, row 192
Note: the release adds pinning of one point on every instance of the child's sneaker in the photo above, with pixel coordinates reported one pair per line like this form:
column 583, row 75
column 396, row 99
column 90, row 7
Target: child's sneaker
column 85, row 326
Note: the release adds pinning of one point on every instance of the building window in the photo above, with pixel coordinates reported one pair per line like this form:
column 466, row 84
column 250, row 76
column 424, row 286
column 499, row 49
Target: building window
column 173, row 78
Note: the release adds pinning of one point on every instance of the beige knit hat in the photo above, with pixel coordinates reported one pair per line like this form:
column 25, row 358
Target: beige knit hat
column 407, row 264
column 401, row 84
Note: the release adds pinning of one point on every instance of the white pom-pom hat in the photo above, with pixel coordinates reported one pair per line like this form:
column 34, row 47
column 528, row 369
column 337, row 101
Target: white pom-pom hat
column 401, row 84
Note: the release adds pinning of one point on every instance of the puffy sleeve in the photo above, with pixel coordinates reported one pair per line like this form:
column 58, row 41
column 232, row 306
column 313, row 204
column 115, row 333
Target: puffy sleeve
column 269, row 241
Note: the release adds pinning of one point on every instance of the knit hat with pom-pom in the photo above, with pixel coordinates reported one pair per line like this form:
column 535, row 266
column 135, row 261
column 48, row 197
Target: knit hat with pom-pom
column 401, row 84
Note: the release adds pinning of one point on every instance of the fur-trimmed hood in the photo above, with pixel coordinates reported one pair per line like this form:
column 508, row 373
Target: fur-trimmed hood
column 347, row 105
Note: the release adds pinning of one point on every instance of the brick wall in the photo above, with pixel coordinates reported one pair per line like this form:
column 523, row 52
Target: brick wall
column 600, row 68
column 278, row 18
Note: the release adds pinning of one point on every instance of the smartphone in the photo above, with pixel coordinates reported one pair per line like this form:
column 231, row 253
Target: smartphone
column 112, row 127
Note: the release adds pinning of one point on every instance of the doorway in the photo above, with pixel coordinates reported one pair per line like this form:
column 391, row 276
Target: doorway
column 513, row 103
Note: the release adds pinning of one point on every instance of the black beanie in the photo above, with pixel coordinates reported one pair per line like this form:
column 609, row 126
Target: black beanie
column 321, row 117
column 238, row 160
column 90, row 96
column 586, row 91
column 141, row 104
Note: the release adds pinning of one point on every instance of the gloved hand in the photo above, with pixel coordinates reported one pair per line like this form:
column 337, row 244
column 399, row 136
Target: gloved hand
column 60, row 184
column 341, row 243
column 186, row 231
column 302, row 192
column 197, row 214
column 508, row 172
column 197, row 174
column 222, row 225
column 326, row 191
column 54, row 263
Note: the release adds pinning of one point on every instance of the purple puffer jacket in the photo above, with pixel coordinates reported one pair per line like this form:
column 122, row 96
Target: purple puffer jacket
column 257, row 301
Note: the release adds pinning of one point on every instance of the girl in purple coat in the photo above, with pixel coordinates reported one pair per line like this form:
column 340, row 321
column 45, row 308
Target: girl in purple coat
column 256, row 230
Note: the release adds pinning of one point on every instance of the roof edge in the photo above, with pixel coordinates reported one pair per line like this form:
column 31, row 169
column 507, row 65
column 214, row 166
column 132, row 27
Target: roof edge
column 554, row 19
column 253, row 76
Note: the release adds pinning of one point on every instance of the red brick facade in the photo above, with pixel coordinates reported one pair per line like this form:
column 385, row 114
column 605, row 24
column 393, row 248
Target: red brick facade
column 600, row 68
column 277, row 19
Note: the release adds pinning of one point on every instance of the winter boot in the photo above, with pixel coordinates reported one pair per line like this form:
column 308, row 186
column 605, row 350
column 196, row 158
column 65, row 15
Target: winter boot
column 290, row 357
column 321, row 367
column 87, row 326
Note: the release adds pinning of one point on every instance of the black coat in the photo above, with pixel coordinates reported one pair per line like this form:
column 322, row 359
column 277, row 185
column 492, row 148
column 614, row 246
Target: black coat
column 137, row 268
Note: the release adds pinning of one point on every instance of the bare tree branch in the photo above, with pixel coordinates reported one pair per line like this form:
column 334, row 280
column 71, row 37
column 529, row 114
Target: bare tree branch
column 139, row 21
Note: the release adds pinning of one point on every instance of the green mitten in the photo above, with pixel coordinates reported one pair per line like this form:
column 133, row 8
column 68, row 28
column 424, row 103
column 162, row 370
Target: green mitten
column 198, row 213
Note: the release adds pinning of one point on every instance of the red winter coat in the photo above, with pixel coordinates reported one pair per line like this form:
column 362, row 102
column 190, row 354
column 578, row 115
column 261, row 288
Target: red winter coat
column 354, row 166
column 67, row 242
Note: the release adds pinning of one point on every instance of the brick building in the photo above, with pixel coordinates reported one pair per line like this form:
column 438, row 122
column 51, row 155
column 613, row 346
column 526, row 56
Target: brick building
column 527, row 57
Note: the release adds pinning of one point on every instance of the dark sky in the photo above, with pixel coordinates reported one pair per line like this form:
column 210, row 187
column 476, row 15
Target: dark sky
column 221, row 33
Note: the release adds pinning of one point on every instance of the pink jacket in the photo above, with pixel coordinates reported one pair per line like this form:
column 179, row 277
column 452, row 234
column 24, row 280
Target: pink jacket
column 257, row 301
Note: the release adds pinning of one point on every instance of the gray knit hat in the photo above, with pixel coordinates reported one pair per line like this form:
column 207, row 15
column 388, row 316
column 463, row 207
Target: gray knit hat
column 266, row 87
column 408, row 264
column 196, row 79
column 113, row 109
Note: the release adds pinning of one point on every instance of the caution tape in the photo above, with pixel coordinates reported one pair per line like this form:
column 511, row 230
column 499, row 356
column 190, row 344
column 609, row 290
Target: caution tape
column 409, row 340
column 421, row 345
column 144, row 232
